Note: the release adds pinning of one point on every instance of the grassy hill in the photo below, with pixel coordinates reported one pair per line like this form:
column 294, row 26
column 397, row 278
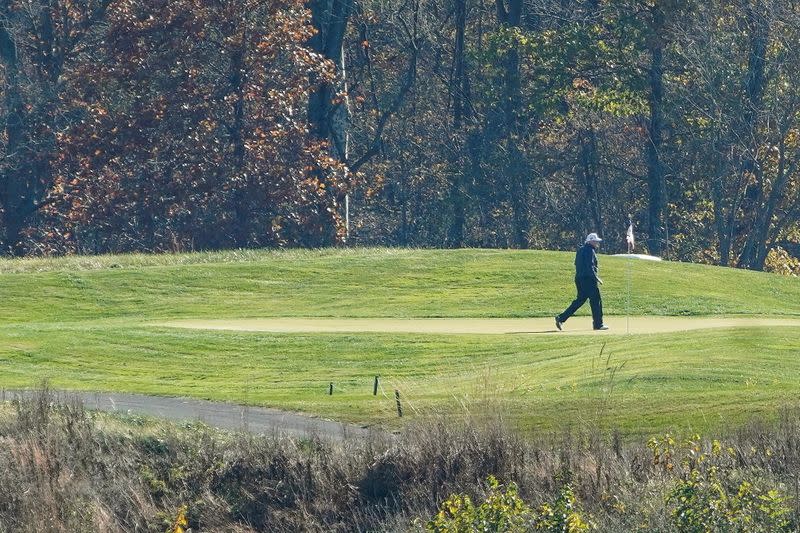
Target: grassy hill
column 371, row 283
column 89, row 323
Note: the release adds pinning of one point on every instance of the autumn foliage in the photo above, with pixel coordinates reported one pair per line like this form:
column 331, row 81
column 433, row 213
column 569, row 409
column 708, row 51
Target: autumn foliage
column 195, row 124
column 190, row 132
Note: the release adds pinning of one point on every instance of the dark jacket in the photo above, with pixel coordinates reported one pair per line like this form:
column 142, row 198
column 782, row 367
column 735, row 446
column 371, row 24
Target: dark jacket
column 586, row 262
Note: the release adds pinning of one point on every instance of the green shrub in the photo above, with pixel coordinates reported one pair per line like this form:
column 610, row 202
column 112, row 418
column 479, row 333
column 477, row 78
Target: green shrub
column 711, row 495
column 503, row 510
column 564, row 516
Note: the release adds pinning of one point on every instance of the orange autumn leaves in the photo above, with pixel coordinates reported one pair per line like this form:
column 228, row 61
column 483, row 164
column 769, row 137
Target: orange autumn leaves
column 193, row 133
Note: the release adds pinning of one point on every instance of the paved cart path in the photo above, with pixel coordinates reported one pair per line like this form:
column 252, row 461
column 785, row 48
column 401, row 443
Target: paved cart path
column 223, row 415
column 580, row 325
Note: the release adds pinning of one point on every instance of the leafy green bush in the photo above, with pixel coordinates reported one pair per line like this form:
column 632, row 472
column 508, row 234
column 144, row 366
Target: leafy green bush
column 504, row 511
column 564, row 516
column 712, row 495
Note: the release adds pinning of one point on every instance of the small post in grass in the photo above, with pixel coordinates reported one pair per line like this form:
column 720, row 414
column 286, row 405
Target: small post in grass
column 375, row 387
column 330, row 389
column 397, row 399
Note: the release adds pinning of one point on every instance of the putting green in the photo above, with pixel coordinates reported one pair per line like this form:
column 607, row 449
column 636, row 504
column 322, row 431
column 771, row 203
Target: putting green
column 580, row 325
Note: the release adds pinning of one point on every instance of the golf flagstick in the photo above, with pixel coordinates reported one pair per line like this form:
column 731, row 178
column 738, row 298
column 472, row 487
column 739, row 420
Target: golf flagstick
column 628, row 304
column 631, row 243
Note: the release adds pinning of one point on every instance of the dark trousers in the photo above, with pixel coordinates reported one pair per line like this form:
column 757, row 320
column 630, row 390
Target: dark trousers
column 587, row 290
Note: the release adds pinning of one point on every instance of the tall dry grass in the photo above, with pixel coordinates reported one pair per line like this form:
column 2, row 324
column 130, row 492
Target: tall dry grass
column 65, row 469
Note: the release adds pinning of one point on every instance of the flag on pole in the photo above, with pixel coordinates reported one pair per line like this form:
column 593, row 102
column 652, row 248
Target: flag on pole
column 629, row 238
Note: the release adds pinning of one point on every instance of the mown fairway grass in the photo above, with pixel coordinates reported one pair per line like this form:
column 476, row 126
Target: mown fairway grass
column 90, row 323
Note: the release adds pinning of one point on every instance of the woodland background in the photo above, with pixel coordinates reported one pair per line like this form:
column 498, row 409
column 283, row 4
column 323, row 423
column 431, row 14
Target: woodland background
column 155, row 125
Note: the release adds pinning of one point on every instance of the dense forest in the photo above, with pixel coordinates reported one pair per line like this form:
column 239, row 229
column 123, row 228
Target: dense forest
column 152, row 125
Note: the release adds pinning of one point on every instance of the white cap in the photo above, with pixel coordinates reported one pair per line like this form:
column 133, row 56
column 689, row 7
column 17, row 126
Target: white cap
column 592, row 237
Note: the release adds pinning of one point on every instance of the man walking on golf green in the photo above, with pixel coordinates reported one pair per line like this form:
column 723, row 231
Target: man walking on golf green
column 586, row 280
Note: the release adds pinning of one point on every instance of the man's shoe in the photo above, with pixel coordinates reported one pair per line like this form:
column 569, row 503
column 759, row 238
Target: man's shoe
column 601, row 328
column 558, row 324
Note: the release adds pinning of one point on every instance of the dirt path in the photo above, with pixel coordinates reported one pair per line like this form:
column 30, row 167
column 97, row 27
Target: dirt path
column 576, row 326
column 228, row 416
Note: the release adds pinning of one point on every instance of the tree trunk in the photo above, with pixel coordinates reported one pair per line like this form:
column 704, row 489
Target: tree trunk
column 328, row 118
column 754, row 89
column 723, row 233
column 458, row 84
column 403, row 211
column 756, row 250
column 588, row 164
column 511, row 15
column 241, row 233
column 14, row 194
column 655, row 170
column 455, row 232
column 29, row 126
column 458, row 87
column 519, row 198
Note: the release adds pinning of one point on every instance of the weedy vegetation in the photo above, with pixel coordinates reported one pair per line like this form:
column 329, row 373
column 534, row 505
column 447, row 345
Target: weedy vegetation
column 63, row 468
